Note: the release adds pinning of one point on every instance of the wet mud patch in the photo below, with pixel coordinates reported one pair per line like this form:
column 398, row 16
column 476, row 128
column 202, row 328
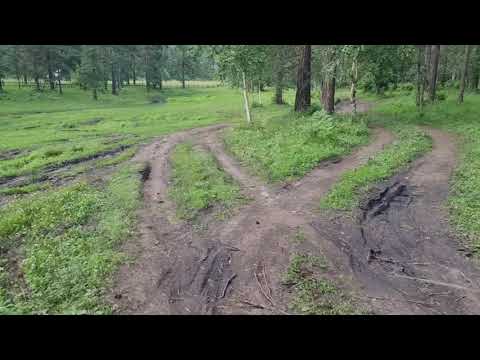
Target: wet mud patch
column 402, row 253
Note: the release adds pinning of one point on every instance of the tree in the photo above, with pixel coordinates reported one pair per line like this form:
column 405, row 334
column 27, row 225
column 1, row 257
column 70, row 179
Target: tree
column 435, row 56
column 475, row 69
column 303, row 95
column 35, row 62
column 464, row 73
column 420, row 76
column 352, row 52
column 91, row 72
column 329, row 82
column 240, row 64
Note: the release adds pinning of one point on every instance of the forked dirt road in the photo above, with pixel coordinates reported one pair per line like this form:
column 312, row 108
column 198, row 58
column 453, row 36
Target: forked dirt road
column 235, row 266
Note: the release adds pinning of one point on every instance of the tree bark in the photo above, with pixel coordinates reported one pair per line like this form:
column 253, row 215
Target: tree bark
column 328, row 95
column 426, row 69
column 183, row 68
column 353, row 92
column 445, row 65
column 51, row 78
column 119, row 79
column 464, row 73
column 279, row 75
column 245, row 99
column 328, row 90
column 419, row 76
column 134, row 74
column 435, row 56
column 476, row 69
column 35, row 74
column 303, row 95
column 114, row 81
column 95, row 97
column 279, row 87
column 60, row 90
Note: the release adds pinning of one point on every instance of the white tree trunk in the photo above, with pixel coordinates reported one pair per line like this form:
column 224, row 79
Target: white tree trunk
column 245, row 99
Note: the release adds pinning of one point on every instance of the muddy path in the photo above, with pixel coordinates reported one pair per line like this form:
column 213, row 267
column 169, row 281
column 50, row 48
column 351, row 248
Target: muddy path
column 397, row 255
column 400, row 250
column 220, row 267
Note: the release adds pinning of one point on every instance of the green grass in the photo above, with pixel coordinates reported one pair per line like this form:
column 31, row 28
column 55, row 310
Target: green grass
column 409, row 144
column 462, row 120
column 69, row 242
column 312, row 294
column 52, row 130
column 198, row 183
column 282, row 145
column 25, row 189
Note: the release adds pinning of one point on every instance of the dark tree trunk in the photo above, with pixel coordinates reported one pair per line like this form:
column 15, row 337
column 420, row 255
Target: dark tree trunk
column 279, row 75
column 60, row 90
column 119, row 79
column 419, row 76
column 95, row 97
column 114, row 81
column 426, row 69
column 435, row 56
column 183, row 68
column 279, row 87
column 328, row 90
column 35, row 75
column 134, row 74
column 25, row 81
column 303, row 96
column 147, row 81
column 51, row 78
column 464, row 73
column 476, row 69
column 17, row 68
column 328, row 95
column 445, row 65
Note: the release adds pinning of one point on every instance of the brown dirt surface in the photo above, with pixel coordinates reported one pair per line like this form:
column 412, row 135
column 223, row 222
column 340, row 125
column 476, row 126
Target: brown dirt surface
column 220, row 267
column 400, row 250
column 396, row 256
